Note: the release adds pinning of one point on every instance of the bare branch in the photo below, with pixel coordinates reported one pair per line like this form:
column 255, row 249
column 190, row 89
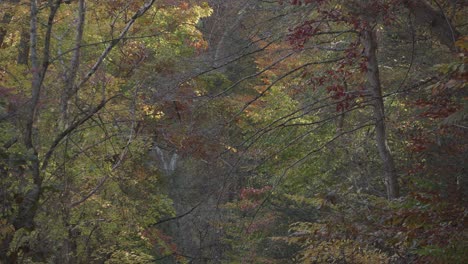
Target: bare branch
column 176, row 217
column 70, row 129
column 281, row 78
column 114, row 42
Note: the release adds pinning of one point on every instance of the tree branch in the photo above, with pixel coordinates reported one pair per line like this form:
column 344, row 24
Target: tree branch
column 114, row 42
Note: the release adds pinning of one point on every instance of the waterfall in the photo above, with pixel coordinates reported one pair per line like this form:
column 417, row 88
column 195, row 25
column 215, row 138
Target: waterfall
column 168, row 165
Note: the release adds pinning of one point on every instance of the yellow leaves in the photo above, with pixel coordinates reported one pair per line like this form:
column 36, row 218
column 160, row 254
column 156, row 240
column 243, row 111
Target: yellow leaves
column 127, row 257
column 14, row 77
column 203, row 10
column 232, row 149
column 198, row 92
column 106, row 205
column 462, row 43
column 158, row 115
column 319, row 247
column 6, row 229
column 152, row 112
column 147, row 109
column 304, row 200
column 341, row 250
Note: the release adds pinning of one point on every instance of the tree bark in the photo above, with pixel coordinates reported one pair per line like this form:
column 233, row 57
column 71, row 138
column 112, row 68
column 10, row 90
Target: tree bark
column 24, row 217
column 27, row 209
column 368, row 38
column 70, row 78
column 23, row 47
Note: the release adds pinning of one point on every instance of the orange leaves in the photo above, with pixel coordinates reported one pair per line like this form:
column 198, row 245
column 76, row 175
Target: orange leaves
column 430, row 221
column 199, row 45
column 184, row 6
column 462, row 43
column 162, row 243
column 250, row 199
column 199, row 146
column 133, row 53
column 261, row 224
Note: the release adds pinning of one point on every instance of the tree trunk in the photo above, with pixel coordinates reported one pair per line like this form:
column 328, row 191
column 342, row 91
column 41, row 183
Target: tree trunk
column 24, row 217
column 70, row 76
column 368, row 38
column 23, row 47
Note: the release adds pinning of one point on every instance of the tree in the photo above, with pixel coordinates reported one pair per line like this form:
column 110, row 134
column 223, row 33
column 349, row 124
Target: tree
column 232, row 131
column 374, row 52
column 73, row 165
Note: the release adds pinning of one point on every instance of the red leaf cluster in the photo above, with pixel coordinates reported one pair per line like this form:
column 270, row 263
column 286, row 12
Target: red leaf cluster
column 299, row 35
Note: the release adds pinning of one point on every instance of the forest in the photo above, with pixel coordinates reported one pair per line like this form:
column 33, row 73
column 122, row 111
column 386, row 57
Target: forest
column 233, row 131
